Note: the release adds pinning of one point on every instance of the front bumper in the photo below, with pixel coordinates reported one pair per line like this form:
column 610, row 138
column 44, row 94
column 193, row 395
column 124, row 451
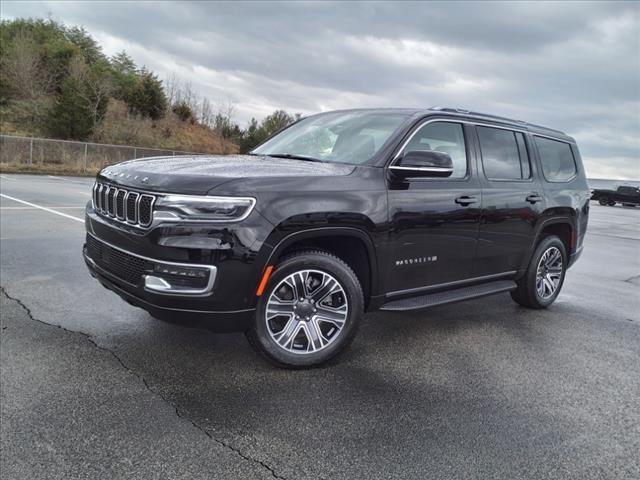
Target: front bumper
column 226, row 255
column 158, row 304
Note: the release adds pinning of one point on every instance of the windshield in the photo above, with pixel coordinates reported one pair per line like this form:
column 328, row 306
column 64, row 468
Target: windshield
column 342, row 137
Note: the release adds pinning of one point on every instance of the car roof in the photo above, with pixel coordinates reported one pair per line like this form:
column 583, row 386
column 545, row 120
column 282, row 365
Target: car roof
column 474, row 116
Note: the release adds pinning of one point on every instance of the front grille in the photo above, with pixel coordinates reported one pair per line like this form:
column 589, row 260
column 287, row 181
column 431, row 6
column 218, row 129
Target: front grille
column 122, row 204
column 122, row 265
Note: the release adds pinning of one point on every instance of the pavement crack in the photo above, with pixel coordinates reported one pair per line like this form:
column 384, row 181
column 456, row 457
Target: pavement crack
column 633, row 279
column 179, row 414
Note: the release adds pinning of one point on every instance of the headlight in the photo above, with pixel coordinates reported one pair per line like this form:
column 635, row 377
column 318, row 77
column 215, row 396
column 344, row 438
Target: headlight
column 202, row 208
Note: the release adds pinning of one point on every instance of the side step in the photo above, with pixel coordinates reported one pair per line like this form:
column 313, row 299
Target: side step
column 450, row 296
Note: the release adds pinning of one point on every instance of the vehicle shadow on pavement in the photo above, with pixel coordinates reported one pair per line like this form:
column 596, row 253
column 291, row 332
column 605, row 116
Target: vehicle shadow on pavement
column 447, row 388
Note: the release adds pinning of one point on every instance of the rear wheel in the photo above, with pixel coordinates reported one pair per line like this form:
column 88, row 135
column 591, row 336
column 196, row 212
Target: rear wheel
column 543, row 280
column 309, row 311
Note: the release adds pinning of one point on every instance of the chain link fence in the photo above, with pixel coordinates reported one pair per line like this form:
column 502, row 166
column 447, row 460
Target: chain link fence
column 29, row 154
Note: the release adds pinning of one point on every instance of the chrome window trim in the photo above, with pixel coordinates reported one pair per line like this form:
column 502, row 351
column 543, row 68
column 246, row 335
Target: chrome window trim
column 468, row 122
column 213, row 272
column 423, row 169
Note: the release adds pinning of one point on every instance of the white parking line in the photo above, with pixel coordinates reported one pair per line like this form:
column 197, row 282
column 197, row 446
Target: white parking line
column 77, row 219
column 34, row 208
column 7, row 178
column 68, row 180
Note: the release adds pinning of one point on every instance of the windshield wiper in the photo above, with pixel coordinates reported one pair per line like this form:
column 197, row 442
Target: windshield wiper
column 294, row 157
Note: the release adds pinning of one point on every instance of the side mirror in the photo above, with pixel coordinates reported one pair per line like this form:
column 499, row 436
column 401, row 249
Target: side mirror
column 423, row 163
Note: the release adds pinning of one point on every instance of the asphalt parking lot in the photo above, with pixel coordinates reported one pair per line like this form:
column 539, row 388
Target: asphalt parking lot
column 94, row 388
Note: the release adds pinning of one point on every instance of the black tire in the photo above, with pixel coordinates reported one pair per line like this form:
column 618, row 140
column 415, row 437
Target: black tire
column 260, row 335
column 604, row 202
column 527, row 293
column 611, row 203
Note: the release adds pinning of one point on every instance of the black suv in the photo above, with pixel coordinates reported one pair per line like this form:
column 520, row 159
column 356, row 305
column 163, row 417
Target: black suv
column 341, row 213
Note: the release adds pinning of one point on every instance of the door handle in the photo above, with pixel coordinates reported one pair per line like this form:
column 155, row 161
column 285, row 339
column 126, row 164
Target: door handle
column 466, row 200
column 534, row 198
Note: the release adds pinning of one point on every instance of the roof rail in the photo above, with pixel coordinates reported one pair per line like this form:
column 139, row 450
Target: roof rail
column 476, row 114
column 493, row 117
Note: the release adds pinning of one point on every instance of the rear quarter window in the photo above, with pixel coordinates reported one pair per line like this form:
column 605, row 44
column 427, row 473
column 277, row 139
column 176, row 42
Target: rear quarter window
column 556, row 158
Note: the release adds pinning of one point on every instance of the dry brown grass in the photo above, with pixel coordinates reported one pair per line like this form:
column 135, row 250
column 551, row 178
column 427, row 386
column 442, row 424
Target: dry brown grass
column 47, row 170
column 120, row 127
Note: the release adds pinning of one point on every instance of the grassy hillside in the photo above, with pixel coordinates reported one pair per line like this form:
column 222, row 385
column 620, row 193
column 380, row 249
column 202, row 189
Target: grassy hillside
column 55, row 82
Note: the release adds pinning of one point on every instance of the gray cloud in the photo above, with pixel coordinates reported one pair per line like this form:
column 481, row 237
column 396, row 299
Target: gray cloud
column 572, row 66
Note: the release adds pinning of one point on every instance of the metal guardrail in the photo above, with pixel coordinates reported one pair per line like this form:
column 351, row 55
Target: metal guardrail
column 77, row 156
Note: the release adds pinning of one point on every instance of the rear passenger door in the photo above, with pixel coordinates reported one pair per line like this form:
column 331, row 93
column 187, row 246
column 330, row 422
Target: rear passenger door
column 512, row 200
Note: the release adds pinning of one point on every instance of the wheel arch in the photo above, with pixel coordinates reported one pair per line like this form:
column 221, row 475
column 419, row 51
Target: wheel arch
column 562, row 229
column 352, row 245
column 561, row 226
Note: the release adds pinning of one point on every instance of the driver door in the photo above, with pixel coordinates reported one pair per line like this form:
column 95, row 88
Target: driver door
column 434, row 221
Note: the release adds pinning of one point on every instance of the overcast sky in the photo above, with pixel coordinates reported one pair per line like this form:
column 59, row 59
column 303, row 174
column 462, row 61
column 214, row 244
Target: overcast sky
column 570, row 66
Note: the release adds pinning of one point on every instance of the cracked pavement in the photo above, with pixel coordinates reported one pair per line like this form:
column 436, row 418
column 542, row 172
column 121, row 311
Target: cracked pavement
column 94, row 388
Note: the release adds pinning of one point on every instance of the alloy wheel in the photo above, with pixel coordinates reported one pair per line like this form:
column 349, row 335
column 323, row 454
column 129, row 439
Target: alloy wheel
column 306, row 311
column 549, row 272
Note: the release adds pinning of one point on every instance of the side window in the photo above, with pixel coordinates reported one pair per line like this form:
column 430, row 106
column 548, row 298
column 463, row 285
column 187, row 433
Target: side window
column 558, row 164
column 443, row 137
column 504, row 154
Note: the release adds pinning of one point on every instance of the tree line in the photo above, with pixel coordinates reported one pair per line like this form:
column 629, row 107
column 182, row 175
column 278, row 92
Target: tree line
column 55, row 81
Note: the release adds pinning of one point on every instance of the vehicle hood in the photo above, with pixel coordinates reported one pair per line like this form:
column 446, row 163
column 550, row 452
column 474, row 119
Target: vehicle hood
column 199, row 174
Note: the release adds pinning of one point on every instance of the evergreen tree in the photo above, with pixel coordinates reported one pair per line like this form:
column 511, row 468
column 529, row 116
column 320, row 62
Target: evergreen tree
column 147, row 97
column 71, row 117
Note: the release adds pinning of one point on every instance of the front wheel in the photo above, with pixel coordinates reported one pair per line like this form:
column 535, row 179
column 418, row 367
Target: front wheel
column 604, row 202
column 543, row 280
column 309, row 311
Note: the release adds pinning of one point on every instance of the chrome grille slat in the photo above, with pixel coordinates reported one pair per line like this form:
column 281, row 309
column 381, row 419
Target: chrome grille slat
column 124, row 205
column 99, row 196
column 103, row 202
column 132, row 207
column 145, row 209
column 121, row 196
column 111, row 207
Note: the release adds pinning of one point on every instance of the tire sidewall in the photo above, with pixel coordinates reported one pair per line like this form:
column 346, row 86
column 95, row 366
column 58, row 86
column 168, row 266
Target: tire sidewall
column 543, row 246
column 349, row 283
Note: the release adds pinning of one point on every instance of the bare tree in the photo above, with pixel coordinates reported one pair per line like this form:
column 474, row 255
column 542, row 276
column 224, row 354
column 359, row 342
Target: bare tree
column 28, row 78
column 223, row 122
column 172, row 89
column 206, row 112
column 189, row 96
column 97, row 88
